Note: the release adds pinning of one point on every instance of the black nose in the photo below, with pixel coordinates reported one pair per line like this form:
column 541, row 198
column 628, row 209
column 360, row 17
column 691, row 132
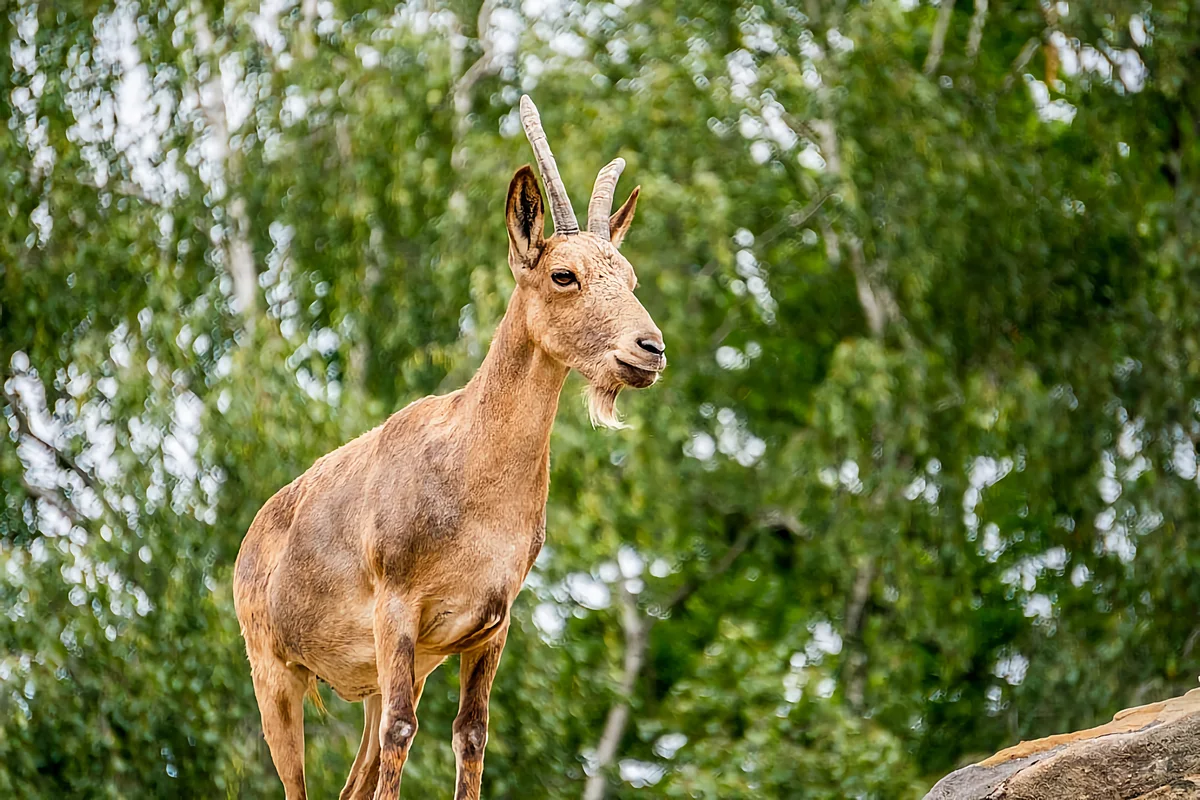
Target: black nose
column 652, row 344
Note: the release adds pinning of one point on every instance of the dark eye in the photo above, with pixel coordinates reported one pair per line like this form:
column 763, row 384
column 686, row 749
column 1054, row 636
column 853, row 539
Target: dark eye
column 563, row 277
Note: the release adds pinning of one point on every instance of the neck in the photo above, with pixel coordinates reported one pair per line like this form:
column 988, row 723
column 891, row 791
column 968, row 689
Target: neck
column 514, row 398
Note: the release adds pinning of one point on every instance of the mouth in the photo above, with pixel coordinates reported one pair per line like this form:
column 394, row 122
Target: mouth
column 636, row 376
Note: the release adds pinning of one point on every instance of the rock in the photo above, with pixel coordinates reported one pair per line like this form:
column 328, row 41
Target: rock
column 1151, row 752
column 1185, row 789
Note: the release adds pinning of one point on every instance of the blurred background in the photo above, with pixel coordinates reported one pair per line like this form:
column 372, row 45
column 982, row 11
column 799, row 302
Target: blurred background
column 920, row 481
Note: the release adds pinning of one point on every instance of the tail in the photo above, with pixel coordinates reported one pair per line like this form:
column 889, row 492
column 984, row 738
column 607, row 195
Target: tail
column 313, row 693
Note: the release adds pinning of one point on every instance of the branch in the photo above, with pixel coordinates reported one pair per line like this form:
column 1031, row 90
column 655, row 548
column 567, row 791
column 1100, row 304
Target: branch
column 1190, row 643
column 799, row 124
column 878, row 304
column 975, row 37
column 25, row 429
column 879, row 307
column 833, row 249
column 239, row 253
column 485, row 65
column 53, row 499
column 1102, row 48
column 874, row 304
column 1049, row 13
column 805, row 214
column 724, row 329
column 740, row 545
column 65, row 460
column 637, row 639
column 308, row 13
column 1021, row 60
column 938, row 43
column 856, row 604
column 858, row 597
column 827, row 140
column 124, row 188
column 779, row 519
column 793, row 220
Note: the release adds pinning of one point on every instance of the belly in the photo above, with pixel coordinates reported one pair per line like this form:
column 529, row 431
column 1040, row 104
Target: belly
column 341, row 650
column 354, row 681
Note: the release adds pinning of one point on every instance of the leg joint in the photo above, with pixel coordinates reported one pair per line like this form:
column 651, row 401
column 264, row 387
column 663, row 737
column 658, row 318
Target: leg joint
column 398, row 730
column 470, row 738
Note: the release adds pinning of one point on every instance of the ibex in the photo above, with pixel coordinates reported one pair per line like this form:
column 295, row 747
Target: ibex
column 410, row 543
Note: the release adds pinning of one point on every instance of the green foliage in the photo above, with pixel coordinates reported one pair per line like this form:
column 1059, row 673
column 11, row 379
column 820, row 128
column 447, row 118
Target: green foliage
column 920, row 480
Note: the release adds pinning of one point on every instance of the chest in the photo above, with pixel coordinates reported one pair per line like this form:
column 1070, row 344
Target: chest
column 464, row 579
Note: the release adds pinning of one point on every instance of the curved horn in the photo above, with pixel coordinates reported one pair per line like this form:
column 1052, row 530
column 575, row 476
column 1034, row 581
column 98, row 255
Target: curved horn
column 560, row 205
column 600, row 205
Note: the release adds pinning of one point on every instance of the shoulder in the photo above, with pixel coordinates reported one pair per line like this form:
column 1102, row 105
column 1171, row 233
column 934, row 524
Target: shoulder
column 429, row 416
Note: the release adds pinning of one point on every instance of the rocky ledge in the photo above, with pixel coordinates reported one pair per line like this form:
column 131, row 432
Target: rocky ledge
column 1151, row 752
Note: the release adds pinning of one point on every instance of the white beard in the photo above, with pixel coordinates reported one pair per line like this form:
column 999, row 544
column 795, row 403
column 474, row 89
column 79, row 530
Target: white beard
column 602, row 406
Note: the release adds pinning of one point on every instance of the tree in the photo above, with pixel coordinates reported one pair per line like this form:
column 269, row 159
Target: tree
column 919, row 480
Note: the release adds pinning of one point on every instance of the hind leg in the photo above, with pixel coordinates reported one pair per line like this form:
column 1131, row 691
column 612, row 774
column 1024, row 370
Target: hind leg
column 279, row 689
column 364, row 775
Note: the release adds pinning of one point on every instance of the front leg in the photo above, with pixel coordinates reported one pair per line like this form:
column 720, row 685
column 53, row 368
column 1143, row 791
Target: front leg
column 396, row 625
column 477, row 669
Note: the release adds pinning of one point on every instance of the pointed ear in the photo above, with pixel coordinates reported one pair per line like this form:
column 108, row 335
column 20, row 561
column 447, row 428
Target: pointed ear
column 618, row 223
column 523, row 213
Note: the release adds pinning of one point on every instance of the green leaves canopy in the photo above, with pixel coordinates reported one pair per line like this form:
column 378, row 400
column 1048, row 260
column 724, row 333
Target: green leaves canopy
column 919, row 482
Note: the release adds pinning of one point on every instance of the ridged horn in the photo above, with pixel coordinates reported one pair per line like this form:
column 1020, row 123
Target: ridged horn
column 600, row 206
column 560, row 205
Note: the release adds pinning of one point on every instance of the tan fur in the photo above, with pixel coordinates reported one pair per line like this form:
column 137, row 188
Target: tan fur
column 410, row 543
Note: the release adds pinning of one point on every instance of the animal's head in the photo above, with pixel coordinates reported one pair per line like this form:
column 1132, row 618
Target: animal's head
column 577, row 287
